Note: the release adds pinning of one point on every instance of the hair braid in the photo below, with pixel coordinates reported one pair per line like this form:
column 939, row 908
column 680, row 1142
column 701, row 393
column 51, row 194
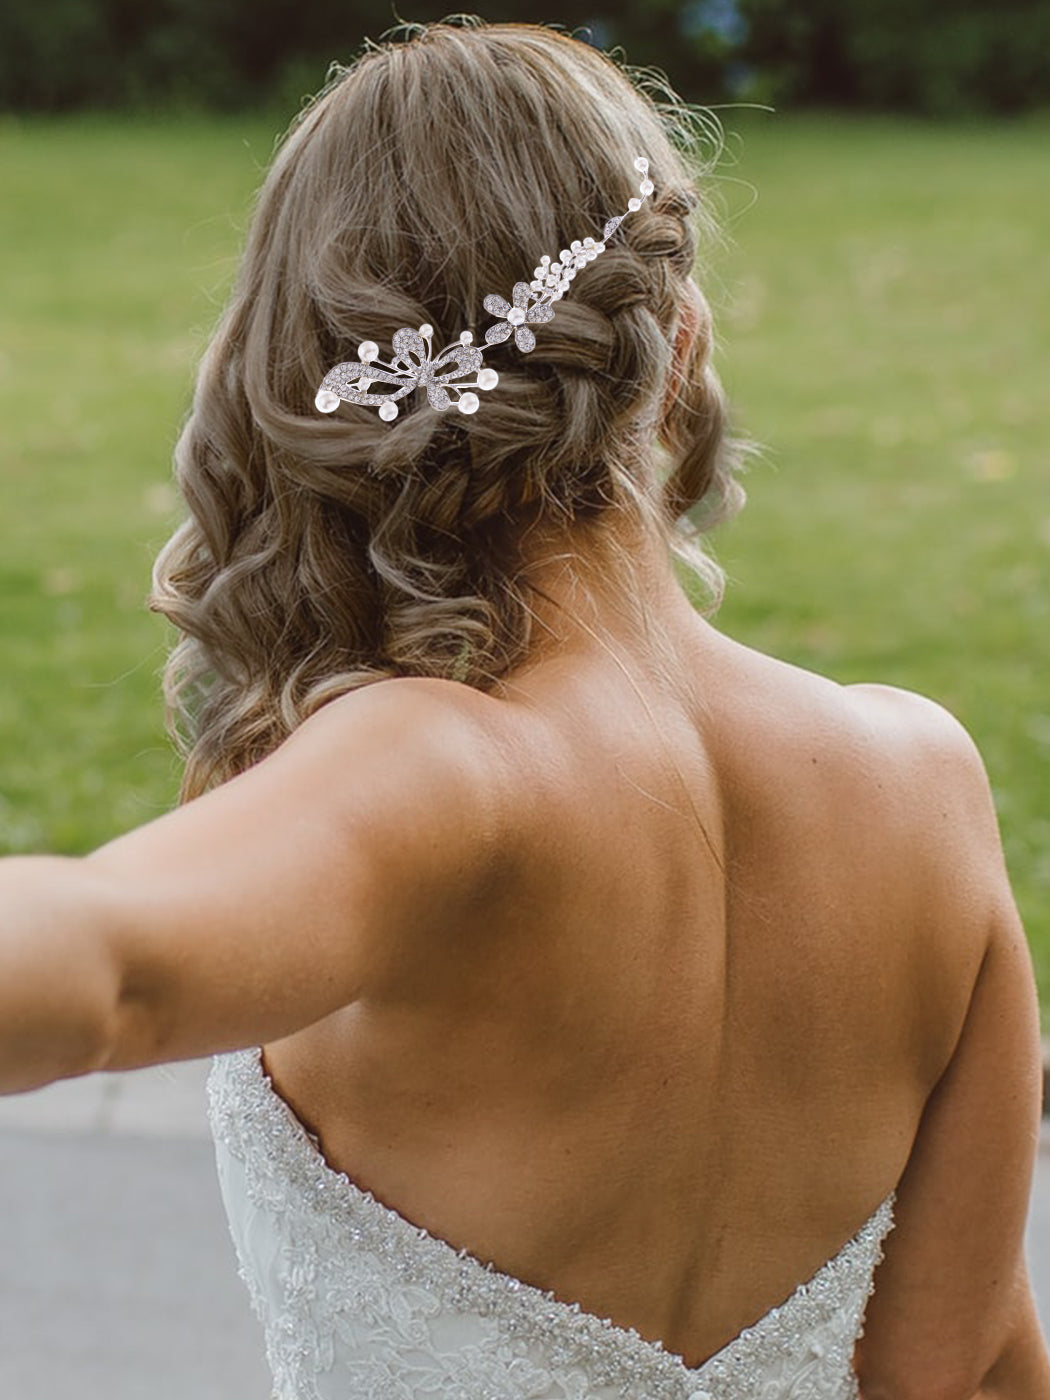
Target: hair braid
column 324, row 554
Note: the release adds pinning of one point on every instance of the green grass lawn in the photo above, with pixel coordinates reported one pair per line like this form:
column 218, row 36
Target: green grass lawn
column 884, row 307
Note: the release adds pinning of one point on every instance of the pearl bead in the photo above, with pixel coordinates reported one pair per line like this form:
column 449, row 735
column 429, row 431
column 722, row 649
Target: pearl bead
column 468, row 403
column 545, row 259
column 515, row 316
column 556, row 266
column 599, row 247
column 466, row 337
column 539, row 271
column 647, row 187
column 426, row 331
column 588, row 242
column 641, row 164
column 326, row 401
column 367, row 351
column 488, row 379
column 633, row 204
column 365, row 385
column 566, row 255
column 575, row 245
column 388, row 411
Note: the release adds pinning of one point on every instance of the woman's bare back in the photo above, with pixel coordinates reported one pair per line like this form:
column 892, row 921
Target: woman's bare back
column 645, row 981
column 682, row 1052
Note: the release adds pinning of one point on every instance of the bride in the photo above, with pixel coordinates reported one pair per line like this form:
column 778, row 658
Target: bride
column 600, row 1007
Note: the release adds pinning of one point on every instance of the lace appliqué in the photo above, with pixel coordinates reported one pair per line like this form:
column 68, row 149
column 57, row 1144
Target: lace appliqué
column 360, row 1304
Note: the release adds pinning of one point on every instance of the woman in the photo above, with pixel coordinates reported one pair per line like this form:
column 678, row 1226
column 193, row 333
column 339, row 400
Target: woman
column 604, row 998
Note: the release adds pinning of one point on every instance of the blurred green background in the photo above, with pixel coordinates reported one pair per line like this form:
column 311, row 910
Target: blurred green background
column 883, row 304
column 941, row 56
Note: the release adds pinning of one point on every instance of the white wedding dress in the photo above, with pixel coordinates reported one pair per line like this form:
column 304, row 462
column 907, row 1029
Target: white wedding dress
column 359, row 1304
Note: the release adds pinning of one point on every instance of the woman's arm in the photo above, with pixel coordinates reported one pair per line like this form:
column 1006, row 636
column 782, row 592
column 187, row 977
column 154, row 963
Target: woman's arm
column 1020, row 1372
column 263, row 905
column 952, row 1316
column 58, row 977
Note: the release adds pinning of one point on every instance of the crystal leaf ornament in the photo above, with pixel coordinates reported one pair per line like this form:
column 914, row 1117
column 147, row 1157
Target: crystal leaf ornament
column 414, row 364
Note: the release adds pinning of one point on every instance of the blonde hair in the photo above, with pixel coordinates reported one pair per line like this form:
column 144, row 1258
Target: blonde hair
column 322, row 554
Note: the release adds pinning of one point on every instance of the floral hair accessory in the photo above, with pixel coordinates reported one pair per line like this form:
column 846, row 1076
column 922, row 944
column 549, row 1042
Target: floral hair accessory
column 416, row 366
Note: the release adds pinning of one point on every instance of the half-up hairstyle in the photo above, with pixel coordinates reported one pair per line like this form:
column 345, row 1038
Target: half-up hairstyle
column 321, row 553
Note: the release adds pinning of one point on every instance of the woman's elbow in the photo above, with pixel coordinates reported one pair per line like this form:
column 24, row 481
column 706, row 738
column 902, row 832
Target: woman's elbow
column 1019, row 1369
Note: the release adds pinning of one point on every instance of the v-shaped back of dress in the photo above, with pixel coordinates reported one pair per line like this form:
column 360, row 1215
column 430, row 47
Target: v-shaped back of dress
column 359, row 1304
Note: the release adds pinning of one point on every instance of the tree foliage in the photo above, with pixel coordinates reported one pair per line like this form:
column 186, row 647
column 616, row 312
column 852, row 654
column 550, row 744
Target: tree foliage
column 943, row 56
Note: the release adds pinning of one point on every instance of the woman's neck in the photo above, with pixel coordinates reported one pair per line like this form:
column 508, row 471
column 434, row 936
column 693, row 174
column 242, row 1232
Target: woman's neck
column 599, row 584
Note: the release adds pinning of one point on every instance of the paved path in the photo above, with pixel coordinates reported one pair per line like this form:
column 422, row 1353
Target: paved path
column 117, row 1279
column 117, row 1272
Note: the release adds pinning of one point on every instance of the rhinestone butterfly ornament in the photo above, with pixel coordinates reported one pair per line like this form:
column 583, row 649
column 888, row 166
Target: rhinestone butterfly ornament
column 416, row 366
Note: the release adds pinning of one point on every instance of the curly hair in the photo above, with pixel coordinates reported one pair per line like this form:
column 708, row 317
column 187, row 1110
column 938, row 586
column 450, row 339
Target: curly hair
column 323, row 554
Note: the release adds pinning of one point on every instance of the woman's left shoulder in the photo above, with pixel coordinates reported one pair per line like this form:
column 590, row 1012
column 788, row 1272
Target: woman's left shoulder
column 433, row 731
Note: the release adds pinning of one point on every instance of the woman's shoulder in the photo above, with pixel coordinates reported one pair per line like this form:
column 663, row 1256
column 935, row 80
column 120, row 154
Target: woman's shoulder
column 447, row 736
column 896, row 749
column 410, row 773
column 915, row 727
column 936, row 778
column 938, row 797
column 881, row 783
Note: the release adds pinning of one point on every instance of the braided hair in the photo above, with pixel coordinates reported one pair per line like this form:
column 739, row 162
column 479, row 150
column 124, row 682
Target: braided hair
column 323, row 554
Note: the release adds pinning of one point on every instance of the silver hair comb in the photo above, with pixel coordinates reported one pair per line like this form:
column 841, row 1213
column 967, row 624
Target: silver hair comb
column 415, row 363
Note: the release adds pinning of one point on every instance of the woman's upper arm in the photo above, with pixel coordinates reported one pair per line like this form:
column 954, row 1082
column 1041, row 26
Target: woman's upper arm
column 952, row 1296
column 284, row 894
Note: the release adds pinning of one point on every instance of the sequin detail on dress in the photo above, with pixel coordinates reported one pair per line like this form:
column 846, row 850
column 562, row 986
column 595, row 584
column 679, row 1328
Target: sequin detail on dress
column 357, row 1303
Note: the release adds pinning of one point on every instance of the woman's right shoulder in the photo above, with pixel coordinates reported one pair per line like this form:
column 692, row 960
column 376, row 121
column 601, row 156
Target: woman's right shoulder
column 934, row 831
column 938, row 794
column 952, row 1307
column 918, row 730
column 886, row 776
column 879, row 797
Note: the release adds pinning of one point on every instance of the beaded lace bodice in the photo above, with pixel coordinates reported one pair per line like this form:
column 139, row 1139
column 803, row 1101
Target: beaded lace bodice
column 359, row 1304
